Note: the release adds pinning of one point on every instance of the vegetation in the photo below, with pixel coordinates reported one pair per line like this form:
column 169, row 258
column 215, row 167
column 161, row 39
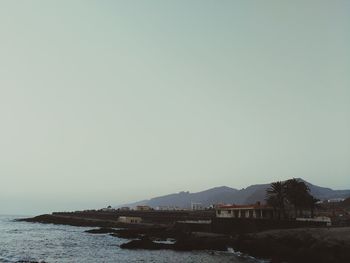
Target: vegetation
column 293, row 193
column 276, row 197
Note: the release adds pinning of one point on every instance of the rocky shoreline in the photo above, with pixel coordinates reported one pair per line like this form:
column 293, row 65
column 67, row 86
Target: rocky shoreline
column 321, row 245
column 286, row 245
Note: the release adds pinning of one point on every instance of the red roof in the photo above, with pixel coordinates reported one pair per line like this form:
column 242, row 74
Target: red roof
column 254, row 206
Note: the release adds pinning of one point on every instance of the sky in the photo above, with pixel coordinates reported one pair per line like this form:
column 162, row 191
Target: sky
column 108, row 102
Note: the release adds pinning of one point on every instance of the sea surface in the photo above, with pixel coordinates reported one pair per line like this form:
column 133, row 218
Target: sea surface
column 60, row 243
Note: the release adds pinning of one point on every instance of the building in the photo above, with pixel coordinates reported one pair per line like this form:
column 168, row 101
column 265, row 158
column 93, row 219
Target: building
column 124, row 208
column 129, row 219
column 244, row 211
column 108, row 209
column 335, row 200
column 167, row 208
column 143, row 208
column 196, row 206
column 319, row 219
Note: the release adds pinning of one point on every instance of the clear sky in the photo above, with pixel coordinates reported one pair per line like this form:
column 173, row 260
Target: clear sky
column 106, row 102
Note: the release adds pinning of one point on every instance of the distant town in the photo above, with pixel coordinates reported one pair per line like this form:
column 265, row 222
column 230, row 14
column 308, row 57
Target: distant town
column 337, row 209
column 330, row 211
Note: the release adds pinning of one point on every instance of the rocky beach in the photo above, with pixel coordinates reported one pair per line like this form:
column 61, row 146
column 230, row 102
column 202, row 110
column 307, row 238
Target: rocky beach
column 319, row 244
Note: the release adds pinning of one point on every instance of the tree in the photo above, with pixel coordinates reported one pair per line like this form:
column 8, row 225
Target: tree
column 298, row 195
column 276, row 196
column 291, row 192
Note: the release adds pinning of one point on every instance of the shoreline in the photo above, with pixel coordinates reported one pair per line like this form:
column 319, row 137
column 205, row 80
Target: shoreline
column 296, row 245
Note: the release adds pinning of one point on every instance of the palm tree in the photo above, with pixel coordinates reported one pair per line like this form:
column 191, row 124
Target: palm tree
column 293, row 192
column 276, row 196
column 297, row 193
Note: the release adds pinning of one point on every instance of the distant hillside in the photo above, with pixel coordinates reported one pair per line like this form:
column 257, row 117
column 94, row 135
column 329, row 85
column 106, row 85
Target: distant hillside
column 221, row 194
column 323, row 193
column 227, row 195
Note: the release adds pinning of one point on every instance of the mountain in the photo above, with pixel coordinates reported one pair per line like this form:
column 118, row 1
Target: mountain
column 324, row 193
column 221, row 194
column 227, row 195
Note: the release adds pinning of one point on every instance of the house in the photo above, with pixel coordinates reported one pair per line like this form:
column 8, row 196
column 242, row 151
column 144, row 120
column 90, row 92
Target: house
column 143, row 208
column 129, row 219
column 245, row 211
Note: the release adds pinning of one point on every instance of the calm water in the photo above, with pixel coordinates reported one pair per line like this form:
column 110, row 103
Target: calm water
column 56, row 243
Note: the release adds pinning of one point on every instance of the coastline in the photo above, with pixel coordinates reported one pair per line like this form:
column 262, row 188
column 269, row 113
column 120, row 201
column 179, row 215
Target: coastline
column 320, row 245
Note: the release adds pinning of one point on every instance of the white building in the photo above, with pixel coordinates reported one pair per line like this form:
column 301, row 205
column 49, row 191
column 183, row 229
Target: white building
column 244, row 211
column 321, row 219
column 196, row 206
column 335, row 200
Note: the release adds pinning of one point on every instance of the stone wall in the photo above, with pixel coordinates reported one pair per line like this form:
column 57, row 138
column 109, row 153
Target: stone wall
column 248, row 225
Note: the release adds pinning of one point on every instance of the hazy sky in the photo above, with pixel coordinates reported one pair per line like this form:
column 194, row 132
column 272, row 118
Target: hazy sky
column 106, row 102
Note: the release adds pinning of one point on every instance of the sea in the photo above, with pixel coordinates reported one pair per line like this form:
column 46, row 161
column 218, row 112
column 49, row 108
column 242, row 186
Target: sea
column 24, row 241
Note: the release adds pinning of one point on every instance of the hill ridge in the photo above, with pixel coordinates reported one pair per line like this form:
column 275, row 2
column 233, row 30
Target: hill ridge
column 229, row 195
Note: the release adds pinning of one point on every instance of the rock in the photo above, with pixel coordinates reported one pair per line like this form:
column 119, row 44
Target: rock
column 127, row 234
column 186, row 243
column 154, row 232
column 102, row 230
column 145, row 243
column 296, row 246
column 70, row 220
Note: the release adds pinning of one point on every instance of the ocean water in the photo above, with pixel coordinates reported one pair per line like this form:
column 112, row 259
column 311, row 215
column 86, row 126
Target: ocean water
column 59, row 243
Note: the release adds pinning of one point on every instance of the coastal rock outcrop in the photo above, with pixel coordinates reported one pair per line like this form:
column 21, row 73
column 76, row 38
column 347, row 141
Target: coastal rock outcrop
column 146, row 243
column 154, row 232
column 298, row 245
column 102, row 230
column 187, row 242
column 70, row 220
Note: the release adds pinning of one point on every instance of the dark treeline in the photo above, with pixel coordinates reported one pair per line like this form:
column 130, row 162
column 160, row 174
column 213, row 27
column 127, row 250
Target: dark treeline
column 290, row 198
